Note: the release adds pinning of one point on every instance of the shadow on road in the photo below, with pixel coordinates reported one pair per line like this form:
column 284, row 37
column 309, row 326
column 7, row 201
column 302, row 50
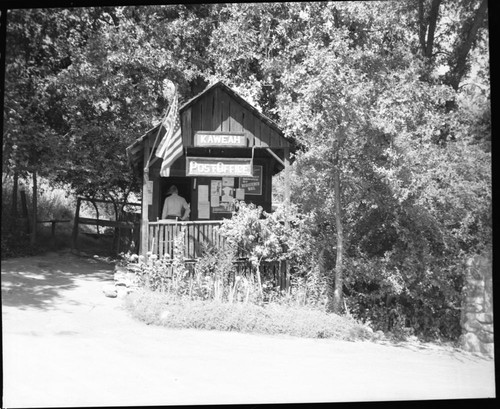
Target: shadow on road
column 35, row 282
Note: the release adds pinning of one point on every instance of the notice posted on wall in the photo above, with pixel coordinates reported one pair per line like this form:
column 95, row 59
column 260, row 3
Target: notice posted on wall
column 215, row 187
column 204, row 210
column 203, row 193
column 227, row 195
column 214, row 201
column 227, row 182
column 240, row 194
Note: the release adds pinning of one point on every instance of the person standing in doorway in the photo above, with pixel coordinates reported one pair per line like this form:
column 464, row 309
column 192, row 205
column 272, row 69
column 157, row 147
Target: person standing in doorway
column 175, row 206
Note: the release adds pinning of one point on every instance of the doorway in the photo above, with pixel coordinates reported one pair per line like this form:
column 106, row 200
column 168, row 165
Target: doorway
column 183, row 185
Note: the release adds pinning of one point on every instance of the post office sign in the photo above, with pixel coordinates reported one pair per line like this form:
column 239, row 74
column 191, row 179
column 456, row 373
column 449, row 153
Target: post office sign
column 237, row 167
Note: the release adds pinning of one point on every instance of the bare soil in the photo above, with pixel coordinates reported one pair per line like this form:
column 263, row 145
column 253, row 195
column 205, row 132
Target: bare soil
column 66, row 344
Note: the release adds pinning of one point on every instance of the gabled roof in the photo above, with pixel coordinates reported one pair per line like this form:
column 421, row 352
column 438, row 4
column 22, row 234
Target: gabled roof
column 134, row 151
column 238, row 98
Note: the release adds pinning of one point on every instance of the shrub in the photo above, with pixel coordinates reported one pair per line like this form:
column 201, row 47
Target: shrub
column 405, row 298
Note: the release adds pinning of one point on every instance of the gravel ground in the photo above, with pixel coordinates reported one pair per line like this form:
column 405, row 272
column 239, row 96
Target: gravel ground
column 66, row 344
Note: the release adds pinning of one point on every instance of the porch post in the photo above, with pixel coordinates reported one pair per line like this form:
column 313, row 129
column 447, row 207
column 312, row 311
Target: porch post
column 143, row 248
column 287, row 182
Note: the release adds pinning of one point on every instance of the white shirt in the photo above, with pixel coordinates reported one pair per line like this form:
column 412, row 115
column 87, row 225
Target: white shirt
column 173, row 207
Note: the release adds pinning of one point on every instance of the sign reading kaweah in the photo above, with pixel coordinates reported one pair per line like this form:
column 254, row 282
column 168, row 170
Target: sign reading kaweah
column 220, row 139
column 238, row 167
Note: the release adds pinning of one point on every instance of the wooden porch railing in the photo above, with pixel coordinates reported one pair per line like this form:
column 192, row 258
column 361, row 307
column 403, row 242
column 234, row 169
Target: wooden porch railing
column 163, row 232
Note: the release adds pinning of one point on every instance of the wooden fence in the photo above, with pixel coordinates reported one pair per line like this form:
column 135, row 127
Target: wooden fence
column 128, row 230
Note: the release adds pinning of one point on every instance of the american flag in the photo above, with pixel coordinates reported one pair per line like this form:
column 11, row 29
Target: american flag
column 170, row 147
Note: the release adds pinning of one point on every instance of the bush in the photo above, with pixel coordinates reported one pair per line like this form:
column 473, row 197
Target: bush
column 396, row 297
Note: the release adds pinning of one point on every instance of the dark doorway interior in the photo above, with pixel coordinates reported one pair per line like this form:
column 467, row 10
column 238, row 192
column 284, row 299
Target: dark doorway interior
column 183, row 185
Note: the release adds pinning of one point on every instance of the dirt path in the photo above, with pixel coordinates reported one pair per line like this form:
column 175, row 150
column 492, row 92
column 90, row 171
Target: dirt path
column 65, row 344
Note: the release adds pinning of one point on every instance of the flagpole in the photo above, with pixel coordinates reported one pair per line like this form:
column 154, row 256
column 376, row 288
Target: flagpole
column 146, row 167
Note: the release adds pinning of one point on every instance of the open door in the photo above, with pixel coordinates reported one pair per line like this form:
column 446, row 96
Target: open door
column 183, row 186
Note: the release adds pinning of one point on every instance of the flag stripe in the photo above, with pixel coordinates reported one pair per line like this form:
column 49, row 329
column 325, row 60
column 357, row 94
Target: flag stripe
column 170, row 147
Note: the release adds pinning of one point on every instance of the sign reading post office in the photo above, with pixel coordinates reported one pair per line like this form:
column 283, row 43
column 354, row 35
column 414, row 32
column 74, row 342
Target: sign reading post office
column 235, row 167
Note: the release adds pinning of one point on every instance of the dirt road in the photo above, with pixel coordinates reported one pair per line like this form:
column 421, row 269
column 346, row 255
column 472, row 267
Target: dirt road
column 65, row 344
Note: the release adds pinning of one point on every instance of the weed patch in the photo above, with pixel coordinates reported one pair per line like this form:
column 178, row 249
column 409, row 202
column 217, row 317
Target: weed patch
column 274, row 319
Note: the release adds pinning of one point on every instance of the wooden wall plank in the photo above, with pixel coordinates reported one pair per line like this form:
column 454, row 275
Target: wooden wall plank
column 217, row 117
column 224, row 101
column 196, row 117
column 187, row 132
column 258, row 136
column 265, row 134
column 250, row 126
column 206, row 107
column 233, row 112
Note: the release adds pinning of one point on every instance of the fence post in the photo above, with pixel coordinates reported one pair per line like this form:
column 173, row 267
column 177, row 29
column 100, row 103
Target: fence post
column 24, row 209
column 75, row 224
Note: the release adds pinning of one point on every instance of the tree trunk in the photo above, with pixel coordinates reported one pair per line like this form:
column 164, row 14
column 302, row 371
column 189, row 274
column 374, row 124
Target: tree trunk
column 458, row 59
column 14, row 212
column 339, row 266
column 433, row 17
column 421, row 25
column 116, row 231
column 35, row 205
column 24, row 210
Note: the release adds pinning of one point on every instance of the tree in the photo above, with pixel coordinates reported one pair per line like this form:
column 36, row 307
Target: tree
column 460, row 26
column 30, row 144
column 70, row 54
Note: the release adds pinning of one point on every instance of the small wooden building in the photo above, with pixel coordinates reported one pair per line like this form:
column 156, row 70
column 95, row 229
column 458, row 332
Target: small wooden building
column 231, row 151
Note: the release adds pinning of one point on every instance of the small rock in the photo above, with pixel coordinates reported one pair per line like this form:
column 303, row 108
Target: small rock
column 488, row 349
column 164, row 315
column 110, row 291
column 470, row 342
column 121, row 291
column 484, row 318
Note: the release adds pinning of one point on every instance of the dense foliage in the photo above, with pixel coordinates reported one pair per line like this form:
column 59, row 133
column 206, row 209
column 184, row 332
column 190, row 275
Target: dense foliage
column 388, row 103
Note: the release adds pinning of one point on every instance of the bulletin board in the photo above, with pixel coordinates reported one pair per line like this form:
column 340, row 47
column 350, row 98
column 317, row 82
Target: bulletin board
column 253, row 185
column 222, row 194
column 217, row 196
